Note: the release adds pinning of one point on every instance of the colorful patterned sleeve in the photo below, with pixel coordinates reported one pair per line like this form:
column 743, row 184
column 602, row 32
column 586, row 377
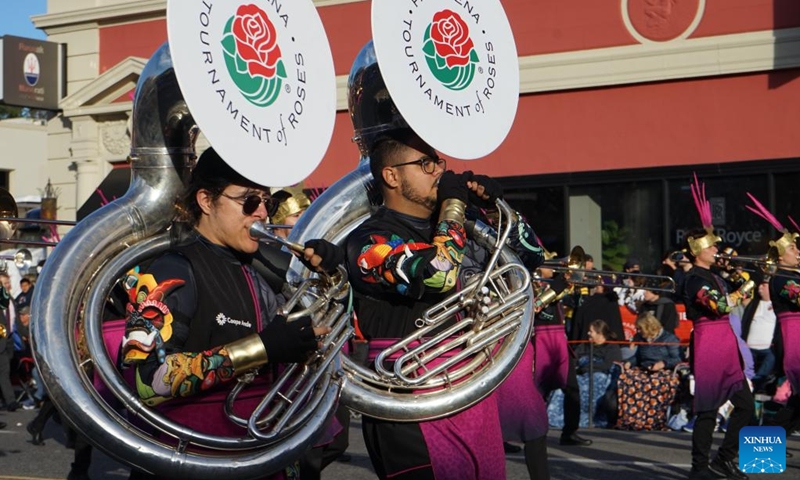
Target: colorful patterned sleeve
column 526, row 244
column 184, row 375
column 156, row 326
column 386, row 260
column 789, row 290
column 713, row 300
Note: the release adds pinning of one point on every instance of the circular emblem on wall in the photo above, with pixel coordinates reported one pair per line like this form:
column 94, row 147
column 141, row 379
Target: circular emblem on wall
column 31, row 69
column 259, row 79
column 651, row 21
column 451, row 69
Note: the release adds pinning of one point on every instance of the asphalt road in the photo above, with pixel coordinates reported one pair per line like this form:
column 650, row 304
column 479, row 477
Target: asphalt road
column 615, row 455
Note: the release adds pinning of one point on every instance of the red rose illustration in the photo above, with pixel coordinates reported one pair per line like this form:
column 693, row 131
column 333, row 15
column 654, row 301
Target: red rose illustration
column 256, row 40
column 450, row 36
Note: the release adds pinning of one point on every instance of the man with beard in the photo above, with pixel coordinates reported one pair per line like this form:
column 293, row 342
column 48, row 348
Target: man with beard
column 401, row 261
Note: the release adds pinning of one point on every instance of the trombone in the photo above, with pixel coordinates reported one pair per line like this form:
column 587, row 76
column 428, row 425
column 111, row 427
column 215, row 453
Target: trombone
column 9, row 218
column 572, row 267
column 768, row 263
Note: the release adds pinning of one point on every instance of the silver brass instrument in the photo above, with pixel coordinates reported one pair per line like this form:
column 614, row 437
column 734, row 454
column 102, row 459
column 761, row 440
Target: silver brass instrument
column 474, row 354
column 571, row 267
column 494, row 337
column 23, row 260
column 76, row 282
column 9, row 219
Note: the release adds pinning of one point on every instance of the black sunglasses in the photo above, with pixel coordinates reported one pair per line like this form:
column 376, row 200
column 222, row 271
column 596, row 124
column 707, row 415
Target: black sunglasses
column 428, row 164
column 251, row 202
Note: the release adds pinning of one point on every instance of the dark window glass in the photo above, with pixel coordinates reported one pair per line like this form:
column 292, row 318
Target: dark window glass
column 544, row 209
column 739, row 228
column 617, row 222
column 787, row 198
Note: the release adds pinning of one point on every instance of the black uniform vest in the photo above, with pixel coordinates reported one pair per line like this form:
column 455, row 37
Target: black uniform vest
column 227, row 299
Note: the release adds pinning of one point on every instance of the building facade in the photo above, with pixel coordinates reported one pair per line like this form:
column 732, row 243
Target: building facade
column 621, row 102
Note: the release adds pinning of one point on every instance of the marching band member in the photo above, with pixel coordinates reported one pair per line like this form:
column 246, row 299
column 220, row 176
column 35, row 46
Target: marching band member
column 406, row 258
column 784, row 290
column 201, row 315
column 555, row 364
column 715, row 358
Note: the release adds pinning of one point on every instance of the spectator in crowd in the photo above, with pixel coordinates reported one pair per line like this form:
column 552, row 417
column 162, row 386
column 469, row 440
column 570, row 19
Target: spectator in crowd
column 656, row 349
column 662, row 307
column 675, row 264
column 24, row 351
column 758, row 329
column 629, row 296
column 6, row 343
column 603, row 354
column 24, row 298
column 601, row 304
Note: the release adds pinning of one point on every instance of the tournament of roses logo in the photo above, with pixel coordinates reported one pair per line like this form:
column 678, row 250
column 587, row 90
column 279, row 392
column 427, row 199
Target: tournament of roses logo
column 449, row 51
column 253, row 56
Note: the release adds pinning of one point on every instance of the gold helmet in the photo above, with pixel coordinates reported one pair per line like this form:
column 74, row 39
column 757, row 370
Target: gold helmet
column 292, row 201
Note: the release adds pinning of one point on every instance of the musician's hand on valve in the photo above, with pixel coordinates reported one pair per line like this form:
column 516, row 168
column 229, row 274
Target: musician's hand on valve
column 484, row 191
column 290, row 342
column 453, row 185
column 322, row 256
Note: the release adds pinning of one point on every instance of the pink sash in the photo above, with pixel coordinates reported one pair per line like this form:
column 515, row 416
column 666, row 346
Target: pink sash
column 465, row 446
column 790, row 331
column 551, row 364
column 716, row 363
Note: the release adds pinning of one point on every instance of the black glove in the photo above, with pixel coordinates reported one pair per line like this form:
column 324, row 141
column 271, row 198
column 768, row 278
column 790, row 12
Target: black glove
column 453, row 185
column 492, row 188
column 558, row 284
column 288, row 342
column 332, row 255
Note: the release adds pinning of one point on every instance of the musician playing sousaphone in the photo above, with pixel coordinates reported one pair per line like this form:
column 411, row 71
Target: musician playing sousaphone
column 414, row 251
column 201, row 315
column 784, row 290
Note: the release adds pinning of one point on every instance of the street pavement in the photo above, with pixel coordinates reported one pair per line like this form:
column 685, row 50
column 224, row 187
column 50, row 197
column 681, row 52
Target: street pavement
column 615, row 455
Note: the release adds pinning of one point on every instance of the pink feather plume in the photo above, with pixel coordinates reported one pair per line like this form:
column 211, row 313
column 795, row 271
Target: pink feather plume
column 794, row 224
column 762, row 212
column 700, row 202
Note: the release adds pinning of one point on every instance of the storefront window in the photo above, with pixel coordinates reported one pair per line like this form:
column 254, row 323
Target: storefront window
column 544, row 209
column 617, row 222
column 787, row 198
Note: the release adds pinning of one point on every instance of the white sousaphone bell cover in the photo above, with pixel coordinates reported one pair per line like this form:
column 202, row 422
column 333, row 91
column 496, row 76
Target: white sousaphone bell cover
column 451, row 69
column 258, row 77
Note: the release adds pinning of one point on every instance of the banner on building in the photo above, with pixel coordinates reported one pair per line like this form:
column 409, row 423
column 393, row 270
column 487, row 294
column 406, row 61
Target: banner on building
column 32, row 73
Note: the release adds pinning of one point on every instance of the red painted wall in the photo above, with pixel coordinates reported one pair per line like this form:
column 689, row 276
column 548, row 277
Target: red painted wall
column 721, row 119
column 540, row 26
column 711, row 120
column 140, row 39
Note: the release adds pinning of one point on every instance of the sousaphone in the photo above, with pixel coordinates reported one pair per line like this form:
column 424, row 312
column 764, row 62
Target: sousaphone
column 461, row 98
column 271, row 117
